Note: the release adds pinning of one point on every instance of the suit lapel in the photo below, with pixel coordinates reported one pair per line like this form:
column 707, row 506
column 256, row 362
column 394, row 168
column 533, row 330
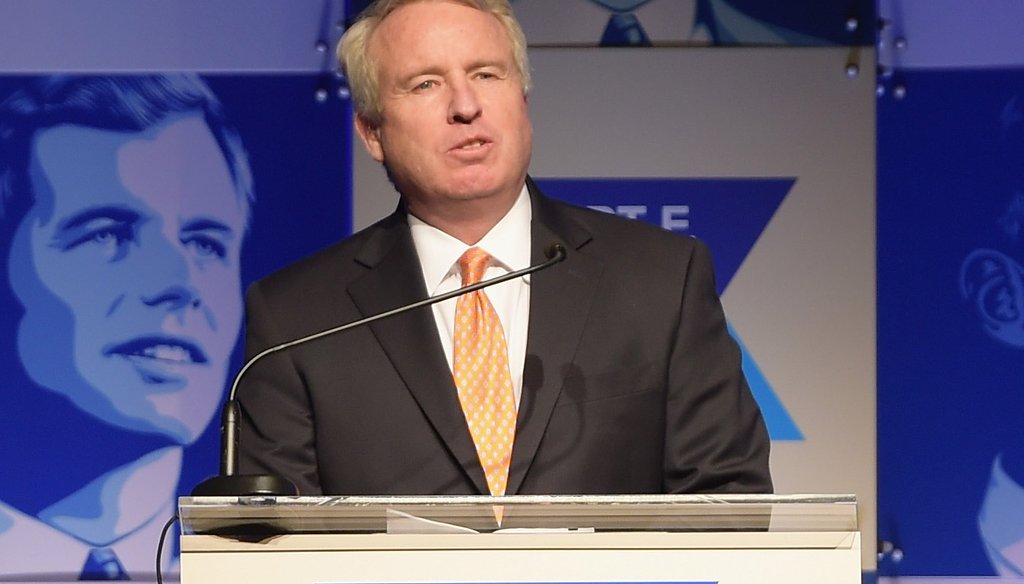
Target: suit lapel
column 394, row 278
column 560, row 301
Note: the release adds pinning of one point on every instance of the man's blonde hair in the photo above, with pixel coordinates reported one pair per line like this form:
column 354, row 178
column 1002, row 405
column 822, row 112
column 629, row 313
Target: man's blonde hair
column 353, row 50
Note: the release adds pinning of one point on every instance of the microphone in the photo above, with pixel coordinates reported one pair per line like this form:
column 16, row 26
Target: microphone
column 228, row 482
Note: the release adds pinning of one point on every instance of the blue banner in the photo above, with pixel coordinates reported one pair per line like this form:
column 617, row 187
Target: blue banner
column 951, row 325
column 134, row 211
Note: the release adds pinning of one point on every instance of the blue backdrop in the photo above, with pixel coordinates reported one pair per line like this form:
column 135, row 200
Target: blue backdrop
column 950, row 322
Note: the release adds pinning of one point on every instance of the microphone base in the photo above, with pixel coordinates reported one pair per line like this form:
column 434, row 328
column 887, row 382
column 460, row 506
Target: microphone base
column 245, row 486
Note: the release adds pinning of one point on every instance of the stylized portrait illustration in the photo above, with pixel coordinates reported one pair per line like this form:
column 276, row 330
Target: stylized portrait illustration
column 675, row 22
column 691, row 22
column 124, row 202
column 992, row 281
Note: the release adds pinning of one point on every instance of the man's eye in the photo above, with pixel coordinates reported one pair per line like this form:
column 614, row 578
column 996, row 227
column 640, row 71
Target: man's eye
column 206, row 247
column 104, row 236
column 426, row 85
column 110, row 241
column 104, row 232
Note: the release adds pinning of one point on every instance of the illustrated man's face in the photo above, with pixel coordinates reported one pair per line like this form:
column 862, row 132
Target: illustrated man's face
column 454, row 126
column 128, row 270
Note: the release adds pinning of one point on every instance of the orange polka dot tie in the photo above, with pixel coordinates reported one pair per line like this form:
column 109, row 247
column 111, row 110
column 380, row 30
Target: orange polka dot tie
column 480, row 367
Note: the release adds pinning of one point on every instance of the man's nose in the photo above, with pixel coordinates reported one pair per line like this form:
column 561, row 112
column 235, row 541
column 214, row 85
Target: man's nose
column 174, row 298
column 465, row 103
column 168, row 278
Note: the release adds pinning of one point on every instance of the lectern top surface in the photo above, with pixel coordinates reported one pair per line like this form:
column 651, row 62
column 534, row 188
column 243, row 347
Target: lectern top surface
column 262, row 516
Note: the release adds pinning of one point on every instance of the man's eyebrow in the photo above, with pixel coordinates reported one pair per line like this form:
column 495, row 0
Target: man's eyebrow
column 481, row 63
column 408, row 76
column 207, row 224
column 116, row 213
column 484, row 63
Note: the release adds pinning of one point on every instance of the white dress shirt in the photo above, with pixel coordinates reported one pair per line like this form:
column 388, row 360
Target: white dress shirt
column 508, row 242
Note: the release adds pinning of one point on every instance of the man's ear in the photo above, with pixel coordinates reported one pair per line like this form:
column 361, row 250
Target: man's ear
column 370, row 134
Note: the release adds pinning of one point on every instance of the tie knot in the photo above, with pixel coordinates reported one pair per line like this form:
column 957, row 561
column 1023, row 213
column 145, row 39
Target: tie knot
column 102, row 564
column 473, row 264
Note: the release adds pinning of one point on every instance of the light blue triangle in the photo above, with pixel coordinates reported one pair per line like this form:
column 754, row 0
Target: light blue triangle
column 780, row 424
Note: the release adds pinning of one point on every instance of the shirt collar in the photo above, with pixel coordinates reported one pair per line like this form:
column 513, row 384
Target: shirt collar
column 22, row 535
column 508, row 242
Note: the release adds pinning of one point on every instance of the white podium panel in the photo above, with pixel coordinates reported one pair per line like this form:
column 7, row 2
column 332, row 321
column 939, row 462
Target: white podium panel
column 604, row 539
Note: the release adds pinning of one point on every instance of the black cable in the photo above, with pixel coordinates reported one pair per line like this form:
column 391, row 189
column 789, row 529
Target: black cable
column 160, row 549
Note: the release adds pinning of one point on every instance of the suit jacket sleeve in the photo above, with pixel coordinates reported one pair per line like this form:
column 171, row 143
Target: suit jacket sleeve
column 277, row 431
column 716, row 439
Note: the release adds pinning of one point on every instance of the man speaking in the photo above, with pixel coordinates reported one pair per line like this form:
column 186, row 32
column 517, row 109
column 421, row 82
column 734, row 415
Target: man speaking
column 609, row 373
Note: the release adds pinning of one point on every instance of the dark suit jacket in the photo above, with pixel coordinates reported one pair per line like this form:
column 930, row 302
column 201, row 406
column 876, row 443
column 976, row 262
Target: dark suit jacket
column 631, row 382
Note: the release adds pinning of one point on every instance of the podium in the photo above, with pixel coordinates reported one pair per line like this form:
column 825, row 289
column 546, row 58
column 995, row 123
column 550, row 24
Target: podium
column 540, row 539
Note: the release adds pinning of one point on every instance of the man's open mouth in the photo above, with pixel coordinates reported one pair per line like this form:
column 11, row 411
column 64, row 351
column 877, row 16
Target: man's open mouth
column 470, row 144
column 163, row 349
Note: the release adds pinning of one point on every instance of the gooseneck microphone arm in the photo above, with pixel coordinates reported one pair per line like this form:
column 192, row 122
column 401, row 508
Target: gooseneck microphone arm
column 231, row 483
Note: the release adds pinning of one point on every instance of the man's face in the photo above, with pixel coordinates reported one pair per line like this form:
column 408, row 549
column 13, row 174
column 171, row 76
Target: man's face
column 455, row 133
column 127, row 267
